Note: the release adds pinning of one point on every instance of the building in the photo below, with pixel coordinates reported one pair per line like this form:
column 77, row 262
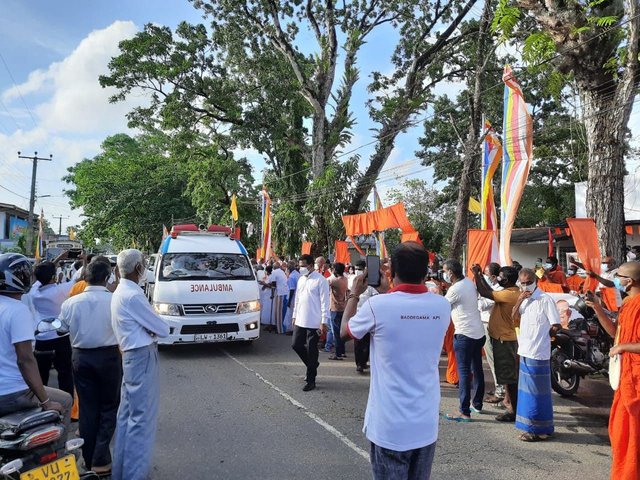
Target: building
column 13, row 224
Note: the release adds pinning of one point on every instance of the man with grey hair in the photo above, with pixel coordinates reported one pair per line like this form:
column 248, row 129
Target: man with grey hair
column 137, row 328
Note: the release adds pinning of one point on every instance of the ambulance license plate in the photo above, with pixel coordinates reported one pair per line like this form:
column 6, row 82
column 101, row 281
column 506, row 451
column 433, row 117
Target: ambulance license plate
column 62, row 469
column 210, row 337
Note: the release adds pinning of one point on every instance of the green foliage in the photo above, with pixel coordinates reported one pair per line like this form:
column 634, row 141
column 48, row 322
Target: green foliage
column 506, row 18
column 430, row 217
column 538, row 47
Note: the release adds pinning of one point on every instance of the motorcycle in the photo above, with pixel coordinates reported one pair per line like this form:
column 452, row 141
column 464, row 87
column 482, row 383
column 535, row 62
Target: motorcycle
column 580, row 350
column 30, row 446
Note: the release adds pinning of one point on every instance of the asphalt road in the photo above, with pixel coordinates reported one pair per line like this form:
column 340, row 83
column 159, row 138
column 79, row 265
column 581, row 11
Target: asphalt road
column 238, row 412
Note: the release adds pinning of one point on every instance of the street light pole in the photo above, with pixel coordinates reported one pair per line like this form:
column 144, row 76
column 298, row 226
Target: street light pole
column 59, row 217
column 32, row 198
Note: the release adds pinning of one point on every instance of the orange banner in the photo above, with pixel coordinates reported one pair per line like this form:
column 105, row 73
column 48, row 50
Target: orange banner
column 610, row 298
column 411, row 237
column 585, row 238
column 356, row 246
column 394, row 216
column 629, row 229
column 306, row 248
column 342, row 252
column 479, row 249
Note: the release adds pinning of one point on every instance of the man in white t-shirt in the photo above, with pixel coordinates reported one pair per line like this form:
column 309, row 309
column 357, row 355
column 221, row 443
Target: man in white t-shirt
column 21, row 387
column 538, row 317
column 485, row 305
column 278, row 280
column 407, row 327
column 468, row 340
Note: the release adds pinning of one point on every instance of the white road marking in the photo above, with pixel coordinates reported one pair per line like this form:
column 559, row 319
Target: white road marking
column 328, row 427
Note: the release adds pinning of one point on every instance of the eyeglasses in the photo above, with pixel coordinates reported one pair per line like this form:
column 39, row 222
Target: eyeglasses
column 623, row 276
column 526, row 284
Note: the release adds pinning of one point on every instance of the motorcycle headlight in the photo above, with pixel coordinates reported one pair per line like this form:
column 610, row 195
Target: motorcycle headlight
column 170, row 309
column 248, row 307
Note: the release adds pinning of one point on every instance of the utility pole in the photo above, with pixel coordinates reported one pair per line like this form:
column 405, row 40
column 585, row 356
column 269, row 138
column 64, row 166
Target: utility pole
column 60, row 217
column 32, row 198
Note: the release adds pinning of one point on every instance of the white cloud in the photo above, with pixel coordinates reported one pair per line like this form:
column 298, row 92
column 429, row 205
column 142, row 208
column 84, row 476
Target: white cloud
column 72, row 116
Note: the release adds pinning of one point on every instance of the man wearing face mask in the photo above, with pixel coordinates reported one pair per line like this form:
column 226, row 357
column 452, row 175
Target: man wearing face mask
column 574, row 281
column 608, row 270
column 624, row 419
column 634, row 254
column 492, row 277
column 503, row 335
column 538, row 317
column 553, row 274
column 137, row 328
column 468, row 340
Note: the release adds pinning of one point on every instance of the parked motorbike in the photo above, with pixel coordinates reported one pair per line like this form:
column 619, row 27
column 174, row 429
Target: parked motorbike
column 30, row 447
column 580, row 350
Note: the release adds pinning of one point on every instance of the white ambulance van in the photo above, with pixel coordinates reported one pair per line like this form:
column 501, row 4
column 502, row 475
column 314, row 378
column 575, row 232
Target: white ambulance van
column 205, row 287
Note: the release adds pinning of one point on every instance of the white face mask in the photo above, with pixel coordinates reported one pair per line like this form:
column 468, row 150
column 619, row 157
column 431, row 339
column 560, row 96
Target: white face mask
column 571, row 272
column 604, row 268
column 489, row 280
column 527, row 288
column 304, row 271
column 142, row 276
column 631, row 256
column 446, row 276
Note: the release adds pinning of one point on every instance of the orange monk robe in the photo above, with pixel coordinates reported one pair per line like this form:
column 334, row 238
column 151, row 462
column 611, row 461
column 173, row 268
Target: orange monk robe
column 550, row 287
column 624, row 420
column 452, row 365
column 575, row 282
column 558, row 276
column 78, row 288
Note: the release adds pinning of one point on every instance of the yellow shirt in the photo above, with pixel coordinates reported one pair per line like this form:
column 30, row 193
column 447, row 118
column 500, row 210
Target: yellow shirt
column 501, row 325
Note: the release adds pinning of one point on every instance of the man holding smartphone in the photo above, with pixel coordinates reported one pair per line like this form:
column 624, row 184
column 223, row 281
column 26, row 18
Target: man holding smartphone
column 407, row 327
column 310, row 317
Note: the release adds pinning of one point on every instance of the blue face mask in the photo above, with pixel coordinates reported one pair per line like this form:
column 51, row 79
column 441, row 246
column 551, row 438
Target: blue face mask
column 618, row 284
column 548, row 266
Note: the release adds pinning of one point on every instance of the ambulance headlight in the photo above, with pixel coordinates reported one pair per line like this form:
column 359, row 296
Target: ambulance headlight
column 248, row 307
column 170, row 309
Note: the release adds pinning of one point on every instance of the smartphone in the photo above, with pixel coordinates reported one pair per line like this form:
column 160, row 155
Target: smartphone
column 373, row 270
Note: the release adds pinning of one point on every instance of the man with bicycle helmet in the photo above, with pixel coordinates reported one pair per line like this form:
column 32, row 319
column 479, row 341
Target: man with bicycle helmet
column 21, row 387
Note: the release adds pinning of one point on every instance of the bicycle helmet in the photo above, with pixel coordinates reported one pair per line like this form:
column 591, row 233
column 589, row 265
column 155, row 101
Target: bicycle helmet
column 15, row 273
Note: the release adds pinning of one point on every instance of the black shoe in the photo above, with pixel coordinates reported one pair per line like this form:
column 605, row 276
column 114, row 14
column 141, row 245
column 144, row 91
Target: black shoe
column 309, row 386
column 506, row 417
column 360, row 369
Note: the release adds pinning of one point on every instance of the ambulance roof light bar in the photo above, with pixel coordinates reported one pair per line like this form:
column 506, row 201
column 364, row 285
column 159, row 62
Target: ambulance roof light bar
column 192, row 229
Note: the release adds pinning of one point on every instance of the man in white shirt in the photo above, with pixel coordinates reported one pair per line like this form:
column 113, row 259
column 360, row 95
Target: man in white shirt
column 468, row 340
column 46, row 297
column 538, row 317
column 310, row 317
column 21, row 387
column 97, row 364
column 278, row 280
column 485, row 305
column 407, row 327
column 137, row 328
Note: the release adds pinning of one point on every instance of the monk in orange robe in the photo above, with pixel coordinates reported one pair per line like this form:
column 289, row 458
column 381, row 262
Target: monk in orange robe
column 452, row 365
column 624, row 420
column 574, row 281
column 553, row 274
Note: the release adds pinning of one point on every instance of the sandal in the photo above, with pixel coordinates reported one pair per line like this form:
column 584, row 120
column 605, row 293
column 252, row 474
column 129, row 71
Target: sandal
column 457, row 417
column 532, row 437
column 335, row 357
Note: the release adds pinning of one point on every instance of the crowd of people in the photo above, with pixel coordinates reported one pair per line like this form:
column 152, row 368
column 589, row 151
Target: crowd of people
column 506, row 314
column 106, row 348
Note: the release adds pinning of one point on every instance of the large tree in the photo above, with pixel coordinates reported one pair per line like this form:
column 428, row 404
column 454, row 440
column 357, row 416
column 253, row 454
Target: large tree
column 596, row 45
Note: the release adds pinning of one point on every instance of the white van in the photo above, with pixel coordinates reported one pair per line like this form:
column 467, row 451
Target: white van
column 205, row 287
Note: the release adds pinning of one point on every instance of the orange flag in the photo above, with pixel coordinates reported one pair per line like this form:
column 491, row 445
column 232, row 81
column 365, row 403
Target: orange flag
column 479, row 248
column 306, row 248
column 342, row 252
column 585, row 238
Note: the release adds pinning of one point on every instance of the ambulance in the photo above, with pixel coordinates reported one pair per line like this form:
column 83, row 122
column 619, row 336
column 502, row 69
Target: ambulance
column 205, row 287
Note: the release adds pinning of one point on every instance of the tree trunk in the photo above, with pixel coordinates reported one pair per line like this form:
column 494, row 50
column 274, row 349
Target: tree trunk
column 470, row 163
column 605, row 185
column 318, row 139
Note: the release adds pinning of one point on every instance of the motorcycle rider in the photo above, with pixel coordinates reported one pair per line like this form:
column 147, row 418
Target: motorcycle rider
column 21, row 387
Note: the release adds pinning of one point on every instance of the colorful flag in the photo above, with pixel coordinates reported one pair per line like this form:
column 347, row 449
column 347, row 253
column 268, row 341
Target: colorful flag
column 381, row 248
column 491, row 156
column 39, row 254
column 550, row 252
column 474, row 206
column 517, row 153
column 165, row 232
column 265, row 239
column 234, row 208
column 72, row 233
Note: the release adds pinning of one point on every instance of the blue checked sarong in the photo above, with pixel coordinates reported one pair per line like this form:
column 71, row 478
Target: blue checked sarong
column 534, row 413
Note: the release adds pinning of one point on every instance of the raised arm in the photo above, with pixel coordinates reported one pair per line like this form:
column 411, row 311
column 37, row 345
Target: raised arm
column 484, row 289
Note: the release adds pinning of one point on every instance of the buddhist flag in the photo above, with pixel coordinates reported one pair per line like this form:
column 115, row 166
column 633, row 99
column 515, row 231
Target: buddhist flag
column 234, row 208
column 39, row 253
column 265, row 239
column 491, row 156
column 381, row 248
column 517, row 156
column 72, row 233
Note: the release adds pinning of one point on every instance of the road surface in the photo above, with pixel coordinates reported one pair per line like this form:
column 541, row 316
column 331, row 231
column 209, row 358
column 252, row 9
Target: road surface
column 229, row 411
